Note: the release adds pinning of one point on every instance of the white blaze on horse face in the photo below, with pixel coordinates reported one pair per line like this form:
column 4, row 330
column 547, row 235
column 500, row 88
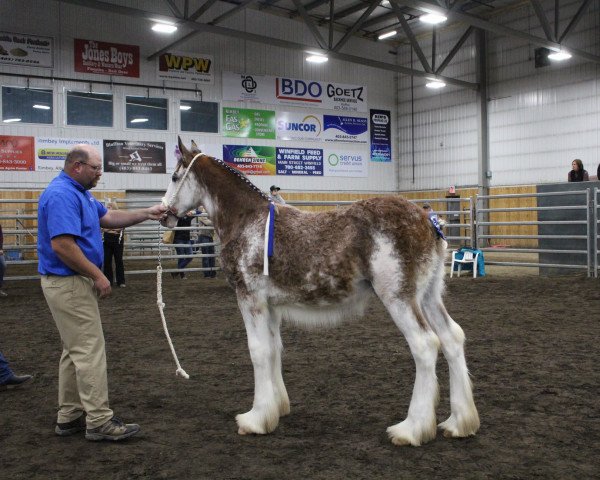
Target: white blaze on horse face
column 183, row 194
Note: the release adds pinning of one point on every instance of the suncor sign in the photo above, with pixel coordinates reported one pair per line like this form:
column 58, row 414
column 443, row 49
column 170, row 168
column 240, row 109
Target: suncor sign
column 297, row 126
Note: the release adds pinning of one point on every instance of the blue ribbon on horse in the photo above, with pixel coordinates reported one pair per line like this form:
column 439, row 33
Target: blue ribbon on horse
column 436, row 225
column 271, row 238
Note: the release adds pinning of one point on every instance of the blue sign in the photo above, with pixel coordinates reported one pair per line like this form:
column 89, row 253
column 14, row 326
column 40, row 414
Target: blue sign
column 381, row 138
column 299, row 161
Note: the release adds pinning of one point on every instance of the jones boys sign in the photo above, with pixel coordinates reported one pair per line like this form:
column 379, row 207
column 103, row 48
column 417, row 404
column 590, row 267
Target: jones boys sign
column 107, row 58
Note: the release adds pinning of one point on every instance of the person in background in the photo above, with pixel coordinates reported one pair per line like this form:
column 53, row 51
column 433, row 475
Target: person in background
column 578, row 173
column 113, row 240
column 275, row 195
column 70, row 256
column 8, row 379
column 2, row 264
column 205, row 236
column 183, row 237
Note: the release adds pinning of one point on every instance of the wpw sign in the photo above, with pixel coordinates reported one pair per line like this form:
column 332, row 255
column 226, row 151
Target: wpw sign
column 185, row 67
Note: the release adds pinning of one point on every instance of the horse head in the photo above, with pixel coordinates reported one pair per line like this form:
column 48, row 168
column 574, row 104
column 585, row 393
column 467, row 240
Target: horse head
column 184, row 192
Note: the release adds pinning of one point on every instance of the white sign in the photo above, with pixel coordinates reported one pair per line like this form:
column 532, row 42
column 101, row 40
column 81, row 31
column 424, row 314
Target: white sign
column 185, row 67
column 345, row 163
column 26, row 50
column 299, row 126
column 50, row 153
column 293, row 91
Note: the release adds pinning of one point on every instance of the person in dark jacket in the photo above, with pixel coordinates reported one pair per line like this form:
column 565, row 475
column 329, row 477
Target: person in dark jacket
column 578, row 173
column 183, row 237
column 114, row 240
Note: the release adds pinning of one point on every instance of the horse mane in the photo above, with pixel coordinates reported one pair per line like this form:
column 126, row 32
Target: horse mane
column 240, row 175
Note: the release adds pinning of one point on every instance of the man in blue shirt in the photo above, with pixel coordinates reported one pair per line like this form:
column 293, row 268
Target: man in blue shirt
column 70, row 254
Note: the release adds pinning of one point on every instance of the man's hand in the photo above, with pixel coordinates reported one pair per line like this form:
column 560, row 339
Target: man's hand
column 156, row 212
column 102, row 286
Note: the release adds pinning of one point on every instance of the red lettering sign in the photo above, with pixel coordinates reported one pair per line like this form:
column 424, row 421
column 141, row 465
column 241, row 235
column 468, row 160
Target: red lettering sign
column 104, row 58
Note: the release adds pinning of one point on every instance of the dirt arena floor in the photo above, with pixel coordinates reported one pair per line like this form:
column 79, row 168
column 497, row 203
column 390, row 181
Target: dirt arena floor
column 532, row 348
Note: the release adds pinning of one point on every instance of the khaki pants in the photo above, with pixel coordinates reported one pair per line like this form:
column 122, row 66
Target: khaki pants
column 82, row 380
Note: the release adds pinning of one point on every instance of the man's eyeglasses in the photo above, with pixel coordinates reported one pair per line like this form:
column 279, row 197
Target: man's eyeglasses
column 96, row 168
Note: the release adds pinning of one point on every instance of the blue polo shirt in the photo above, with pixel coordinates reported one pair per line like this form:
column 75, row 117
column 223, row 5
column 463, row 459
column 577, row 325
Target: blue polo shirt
column 66, row 207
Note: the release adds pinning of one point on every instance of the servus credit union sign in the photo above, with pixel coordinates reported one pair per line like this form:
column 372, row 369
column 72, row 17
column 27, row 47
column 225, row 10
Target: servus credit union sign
column 294, row 91
column 105, row 58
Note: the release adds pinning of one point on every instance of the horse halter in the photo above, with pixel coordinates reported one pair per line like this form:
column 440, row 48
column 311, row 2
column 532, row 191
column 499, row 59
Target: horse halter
column 167, row 203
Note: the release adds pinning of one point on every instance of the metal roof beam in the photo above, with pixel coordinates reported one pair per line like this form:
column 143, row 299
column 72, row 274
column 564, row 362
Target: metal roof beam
column 541, row 15
column 174, row 8
column 411, row 37
column 310, row 24
column 309, row 6
column 575, row 20
column 274, row 42
column 492, row 27
column 356, row 26
column 198, row 13
column 454, row 50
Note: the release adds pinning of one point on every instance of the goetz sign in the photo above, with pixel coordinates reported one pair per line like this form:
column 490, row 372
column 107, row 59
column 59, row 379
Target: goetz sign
column 333, row 96
column 293, row 91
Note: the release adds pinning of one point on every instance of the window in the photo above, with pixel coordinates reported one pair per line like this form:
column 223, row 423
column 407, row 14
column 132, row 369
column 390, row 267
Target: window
column 146, row 113
column 199, row 116
column 89, row 109
column 27, row 105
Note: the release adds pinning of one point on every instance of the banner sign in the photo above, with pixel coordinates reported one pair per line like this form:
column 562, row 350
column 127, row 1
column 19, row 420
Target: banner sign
column 381, row 136
column 104, row 58
column 345, row 129
column 122, row 156
column 245, row 123
column 341, row 163
column 51, row 152
column 251, row 160
column 293, row 91
column 16, row 153
column 26, row 50
column 299, row 161
column 184, row 67
column 299, row 126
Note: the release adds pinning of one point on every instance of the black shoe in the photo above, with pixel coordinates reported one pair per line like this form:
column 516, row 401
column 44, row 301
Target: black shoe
column 16, row 381
column 70, row 428
column 113, row 430
column 174, row 274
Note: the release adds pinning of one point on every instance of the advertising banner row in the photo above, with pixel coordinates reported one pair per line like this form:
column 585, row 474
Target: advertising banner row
column 21, row 153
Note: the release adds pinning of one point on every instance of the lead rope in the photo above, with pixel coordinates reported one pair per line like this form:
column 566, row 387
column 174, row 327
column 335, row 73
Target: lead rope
column 159, row 300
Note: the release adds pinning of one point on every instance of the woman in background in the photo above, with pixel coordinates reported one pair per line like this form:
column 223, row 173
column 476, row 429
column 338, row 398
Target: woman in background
column 114, row 240
column 578, row 173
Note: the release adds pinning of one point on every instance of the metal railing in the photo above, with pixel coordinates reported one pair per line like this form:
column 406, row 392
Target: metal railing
column 470, row 221
column 571, row 234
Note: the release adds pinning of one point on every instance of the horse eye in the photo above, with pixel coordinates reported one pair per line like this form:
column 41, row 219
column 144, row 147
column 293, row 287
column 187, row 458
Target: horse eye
column 174, row 177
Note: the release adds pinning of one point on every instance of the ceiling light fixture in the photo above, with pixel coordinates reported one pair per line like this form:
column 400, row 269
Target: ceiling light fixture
column 139, row 120
column 435, row 84
column 559, row 55
column 11, row 120
column 385, row 35
column 185, row 107
column 41, row 107
column 433, row 18
column 316, row 58
column 164, row 27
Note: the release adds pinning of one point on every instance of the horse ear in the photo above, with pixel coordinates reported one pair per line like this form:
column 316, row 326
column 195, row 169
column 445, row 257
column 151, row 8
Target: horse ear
column 195, row 148
column 182, row 148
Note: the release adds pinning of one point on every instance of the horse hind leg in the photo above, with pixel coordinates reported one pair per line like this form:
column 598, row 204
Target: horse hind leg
column 281, row 395
column 264, row 415
column 420, row 424
column 464, row 419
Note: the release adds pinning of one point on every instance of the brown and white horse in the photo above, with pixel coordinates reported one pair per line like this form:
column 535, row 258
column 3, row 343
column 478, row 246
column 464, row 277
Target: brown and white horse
column 325, row 268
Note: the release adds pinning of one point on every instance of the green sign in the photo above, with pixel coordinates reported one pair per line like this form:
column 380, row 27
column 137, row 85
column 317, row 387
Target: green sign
column 246, row 123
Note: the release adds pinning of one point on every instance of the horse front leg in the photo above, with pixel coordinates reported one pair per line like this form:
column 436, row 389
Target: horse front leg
column 264, row 415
